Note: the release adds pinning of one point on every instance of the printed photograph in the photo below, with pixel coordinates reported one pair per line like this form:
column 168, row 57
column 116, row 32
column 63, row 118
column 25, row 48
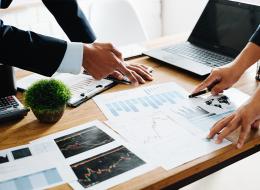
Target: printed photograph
column 220, row 101
column 81, row 141
column 105, row 166
column 21, row 153
column 4, row 158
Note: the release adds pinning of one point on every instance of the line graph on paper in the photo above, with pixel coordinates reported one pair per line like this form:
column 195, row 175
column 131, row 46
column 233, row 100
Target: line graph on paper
column 104, row 166
column 149, row 130
column 158, row 129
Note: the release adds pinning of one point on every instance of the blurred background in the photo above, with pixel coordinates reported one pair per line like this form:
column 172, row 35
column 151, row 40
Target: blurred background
column 121, row 22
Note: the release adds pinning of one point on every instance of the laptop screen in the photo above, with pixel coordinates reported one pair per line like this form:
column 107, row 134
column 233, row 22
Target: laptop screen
column 225, row 26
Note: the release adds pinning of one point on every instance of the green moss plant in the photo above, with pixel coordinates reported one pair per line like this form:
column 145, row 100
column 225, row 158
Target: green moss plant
column 47, row 99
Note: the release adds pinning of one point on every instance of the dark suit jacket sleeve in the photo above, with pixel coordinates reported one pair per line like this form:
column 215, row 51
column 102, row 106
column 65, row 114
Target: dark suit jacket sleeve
column 256, row 37
column 30, row 51
column 72, row 20
column 42, row 54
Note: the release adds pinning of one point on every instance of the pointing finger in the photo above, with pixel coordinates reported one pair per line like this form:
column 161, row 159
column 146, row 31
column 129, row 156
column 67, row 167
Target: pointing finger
column 207, row 82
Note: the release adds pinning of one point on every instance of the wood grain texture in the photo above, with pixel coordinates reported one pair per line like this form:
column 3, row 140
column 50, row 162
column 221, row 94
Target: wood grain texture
column 28, row 129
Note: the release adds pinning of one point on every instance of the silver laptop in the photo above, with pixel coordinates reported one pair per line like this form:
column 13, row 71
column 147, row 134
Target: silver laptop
column 220, row 34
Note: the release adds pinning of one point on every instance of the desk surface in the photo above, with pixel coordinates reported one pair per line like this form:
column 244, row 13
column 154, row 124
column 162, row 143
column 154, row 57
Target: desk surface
column 28, row 129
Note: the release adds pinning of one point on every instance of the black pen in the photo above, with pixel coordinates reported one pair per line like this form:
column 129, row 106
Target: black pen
column 126, row 80
column 123, row 81
column 208, row 89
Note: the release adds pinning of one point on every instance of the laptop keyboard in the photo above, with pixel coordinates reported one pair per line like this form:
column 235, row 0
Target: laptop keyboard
column 199, row 55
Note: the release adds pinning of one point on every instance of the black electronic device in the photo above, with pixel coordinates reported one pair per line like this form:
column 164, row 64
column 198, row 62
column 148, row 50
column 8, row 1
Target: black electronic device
column 222, row 31
column 11, row 109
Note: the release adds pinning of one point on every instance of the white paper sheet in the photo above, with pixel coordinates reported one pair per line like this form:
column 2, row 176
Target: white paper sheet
column 163, row 96
column 90, row 138
column 14, row 153
column 37, row 172
column 209, row 115
column 150, row 129
column 177, row 134
column 183, row 152
column 92, row 146
column 183, row 142
column 104, row 172
column 141, row 100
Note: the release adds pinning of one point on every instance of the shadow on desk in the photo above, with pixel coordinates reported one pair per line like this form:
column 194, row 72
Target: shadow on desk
column 34, row 128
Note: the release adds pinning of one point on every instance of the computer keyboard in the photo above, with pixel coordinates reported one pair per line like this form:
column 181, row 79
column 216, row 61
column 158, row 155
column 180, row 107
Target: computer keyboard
column 11, row 109
column 199, row 55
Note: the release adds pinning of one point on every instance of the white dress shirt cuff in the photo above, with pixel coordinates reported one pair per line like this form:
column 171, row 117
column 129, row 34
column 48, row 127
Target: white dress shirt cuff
column 72, row 60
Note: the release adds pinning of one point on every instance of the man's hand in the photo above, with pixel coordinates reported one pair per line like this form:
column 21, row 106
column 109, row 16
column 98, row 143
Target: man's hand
column 101, row 60
column 247, row 116
column 139, row 71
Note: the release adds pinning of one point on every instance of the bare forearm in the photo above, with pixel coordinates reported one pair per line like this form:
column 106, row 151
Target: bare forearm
column 249, row 56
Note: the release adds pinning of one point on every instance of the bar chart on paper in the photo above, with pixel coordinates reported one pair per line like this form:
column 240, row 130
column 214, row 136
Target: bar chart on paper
column 37, row 180
column 141, row 100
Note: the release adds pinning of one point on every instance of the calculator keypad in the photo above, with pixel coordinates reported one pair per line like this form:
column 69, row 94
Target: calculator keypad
column 8, row 103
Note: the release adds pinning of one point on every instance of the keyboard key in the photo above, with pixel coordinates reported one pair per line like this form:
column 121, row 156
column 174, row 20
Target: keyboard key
column 199, row 55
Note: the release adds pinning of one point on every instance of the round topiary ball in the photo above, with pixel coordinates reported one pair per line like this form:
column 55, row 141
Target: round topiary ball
column 47, row 97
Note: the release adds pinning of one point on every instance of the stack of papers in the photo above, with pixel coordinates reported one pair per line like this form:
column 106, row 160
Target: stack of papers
column 90, row 156
column 149, row 127
column 165, row 124
column 20, row 170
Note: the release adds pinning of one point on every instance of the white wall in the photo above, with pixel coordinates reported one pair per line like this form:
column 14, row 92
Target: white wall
column 37, row 18
column 149, row 12
column 180, row 15
column 159, row 17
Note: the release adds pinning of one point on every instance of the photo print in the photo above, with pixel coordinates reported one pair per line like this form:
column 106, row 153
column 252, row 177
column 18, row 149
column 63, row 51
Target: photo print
column 12, row 154
column 215, row 104
column 21, row 153
column 4, row 158
column 104, row 166
column 82, row 141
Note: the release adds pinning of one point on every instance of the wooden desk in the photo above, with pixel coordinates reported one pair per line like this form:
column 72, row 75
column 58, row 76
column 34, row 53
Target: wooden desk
column 28, row 129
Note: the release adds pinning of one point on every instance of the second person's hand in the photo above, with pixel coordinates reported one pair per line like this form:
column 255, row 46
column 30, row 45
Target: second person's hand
column 247, row 116
column 225, row 76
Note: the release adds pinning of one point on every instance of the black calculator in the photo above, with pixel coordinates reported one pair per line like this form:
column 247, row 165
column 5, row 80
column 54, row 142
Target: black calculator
column 11, row 109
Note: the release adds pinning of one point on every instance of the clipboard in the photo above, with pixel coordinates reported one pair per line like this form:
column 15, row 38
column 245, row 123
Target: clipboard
column 83, row 87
